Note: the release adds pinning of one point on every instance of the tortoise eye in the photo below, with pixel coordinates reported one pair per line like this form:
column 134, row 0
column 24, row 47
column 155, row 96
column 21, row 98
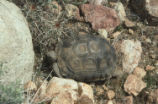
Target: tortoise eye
column 81, row 49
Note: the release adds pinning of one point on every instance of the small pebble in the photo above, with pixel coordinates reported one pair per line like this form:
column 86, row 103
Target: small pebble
column 131, row 31
column 103, row 33
column 148, row 40
column 116, row 34
column 105, row 88
column 156, row 63
column 110, row 94
column 149, row 68
column 109, row 102
column 129, row 23
column 99, row 90
column 153, row 56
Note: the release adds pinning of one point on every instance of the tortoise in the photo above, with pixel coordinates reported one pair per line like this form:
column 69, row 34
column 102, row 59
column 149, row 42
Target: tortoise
column 84, row 58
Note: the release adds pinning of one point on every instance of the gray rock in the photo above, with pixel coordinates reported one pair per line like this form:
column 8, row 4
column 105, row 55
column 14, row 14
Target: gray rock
column 16, row 49
column 148, row 9
column 120, row 11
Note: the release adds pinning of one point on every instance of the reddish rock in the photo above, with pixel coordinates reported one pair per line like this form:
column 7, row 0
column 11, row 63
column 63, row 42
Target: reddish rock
column 100, row 17
column 134, row 85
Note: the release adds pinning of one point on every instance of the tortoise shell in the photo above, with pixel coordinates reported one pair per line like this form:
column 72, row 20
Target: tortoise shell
column 85, row 58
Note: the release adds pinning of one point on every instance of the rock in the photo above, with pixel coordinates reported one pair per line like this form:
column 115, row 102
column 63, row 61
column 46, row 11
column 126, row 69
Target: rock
column 139, row 72
column 30, row 86
column 100, row 17
column 86, row 94
column 115, row 34
column 41, row 93
column 72, row 12
column 120, row 11
column 153, row 97
column 131, row 31
column 67, row 91
column 105, row 88
column 149, row 68
column 110, row 94
column 134, row 85
column 103, row 33
column 63, row 98
column 109, row 102
column 99, row 91
column 16, row 49
column 131, row 54
column 129, row 23
column 54, row 7
column 153, row 56
column 148, row 40
column 147, row 9
column 58, row 85
column 128, row 100
column 156, row 63
column 96, row 2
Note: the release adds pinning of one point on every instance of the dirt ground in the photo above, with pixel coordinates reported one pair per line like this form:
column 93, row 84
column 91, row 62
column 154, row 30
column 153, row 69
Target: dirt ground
column 47, row 27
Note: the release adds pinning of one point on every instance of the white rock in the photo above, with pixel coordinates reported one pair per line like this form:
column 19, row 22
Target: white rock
column 131, row 54
column 16, row 49
column 57, row 86
column 109, row 102
column 67, row 91
column 96, row 2
column 103, row 33
column 120, row 11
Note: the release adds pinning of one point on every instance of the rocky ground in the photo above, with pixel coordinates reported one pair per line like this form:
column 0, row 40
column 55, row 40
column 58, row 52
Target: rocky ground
column 131, row 27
